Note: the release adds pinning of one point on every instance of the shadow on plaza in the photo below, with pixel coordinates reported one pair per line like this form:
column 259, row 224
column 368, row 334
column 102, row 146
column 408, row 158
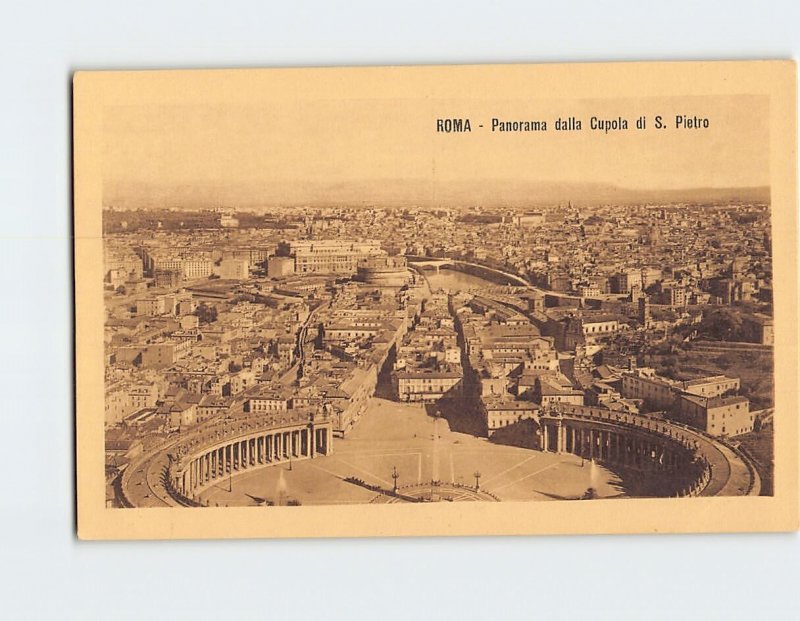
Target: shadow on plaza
column 459, row 414
column 385, row 388
column 260, row 501
column 521, row 433
column 635, row 483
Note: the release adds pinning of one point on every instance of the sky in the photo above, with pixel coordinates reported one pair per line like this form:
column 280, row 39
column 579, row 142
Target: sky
column 286, row 150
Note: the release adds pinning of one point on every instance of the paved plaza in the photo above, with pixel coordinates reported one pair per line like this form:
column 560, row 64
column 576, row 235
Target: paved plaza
column 421, row 448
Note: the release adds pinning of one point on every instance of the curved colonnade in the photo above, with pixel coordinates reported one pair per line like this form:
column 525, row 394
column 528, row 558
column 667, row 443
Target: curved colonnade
column 227, row 448
column 692, row 464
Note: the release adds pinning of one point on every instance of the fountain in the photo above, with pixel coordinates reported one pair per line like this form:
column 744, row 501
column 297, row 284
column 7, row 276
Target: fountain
column 594, row 479
column 280, row 490
column 594, row 474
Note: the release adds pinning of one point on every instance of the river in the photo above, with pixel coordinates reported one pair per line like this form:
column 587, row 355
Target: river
column 452, row 281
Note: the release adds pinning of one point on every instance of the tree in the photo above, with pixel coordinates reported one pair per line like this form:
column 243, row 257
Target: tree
column 205, row 313
column 724, row 324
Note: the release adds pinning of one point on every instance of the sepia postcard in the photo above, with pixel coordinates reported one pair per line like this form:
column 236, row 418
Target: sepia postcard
column 444, row 300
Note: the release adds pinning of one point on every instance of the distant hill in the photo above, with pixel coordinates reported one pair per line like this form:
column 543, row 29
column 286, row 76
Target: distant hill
column 408, row 192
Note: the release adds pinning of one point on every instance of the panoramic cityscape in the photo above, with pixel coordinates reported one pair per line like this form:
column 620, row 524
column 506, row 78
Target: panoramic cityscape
column 565, row 350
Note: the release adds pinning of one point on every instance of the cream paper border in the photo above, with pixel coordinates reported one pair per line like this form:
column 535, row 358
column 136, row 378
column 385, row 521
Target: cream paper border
column 93, row 91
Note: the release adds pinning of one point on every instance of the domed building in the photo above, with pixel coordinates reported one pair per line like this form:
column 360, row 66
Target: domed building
column 384, row 271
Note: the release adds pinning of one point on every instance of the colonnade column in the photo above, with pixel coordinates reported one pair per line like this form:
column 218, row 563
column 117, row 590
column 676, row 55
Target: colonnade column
column 239, row 455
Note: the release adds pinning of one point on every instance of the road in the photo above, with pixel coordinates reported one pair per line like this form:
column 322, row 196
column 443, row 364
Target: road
column 144, row 487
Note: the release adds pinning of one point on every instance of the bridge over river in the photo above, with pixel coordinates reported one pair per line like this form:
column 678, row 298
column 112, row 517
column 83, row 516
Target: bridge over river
column 495, row 276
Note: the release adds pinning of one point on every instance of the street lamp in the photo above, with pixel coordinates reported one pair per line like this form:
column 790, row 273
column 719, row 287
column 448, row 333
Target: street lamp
column 395, row 476
column 477, row 475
